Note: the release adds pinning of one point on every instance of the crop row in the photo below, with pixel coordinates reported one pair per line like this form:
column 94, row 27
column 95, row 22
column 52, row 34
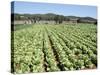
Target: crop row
column 42, row 48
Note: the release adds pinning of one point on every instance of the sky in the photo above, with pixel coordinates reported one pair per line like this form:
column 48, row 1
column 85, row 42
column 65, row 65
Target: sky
column 61, row 9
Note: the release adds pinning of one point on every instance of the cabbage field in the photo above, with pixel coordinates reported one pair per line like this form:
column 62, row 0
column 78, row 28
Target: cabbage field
column 49, row 48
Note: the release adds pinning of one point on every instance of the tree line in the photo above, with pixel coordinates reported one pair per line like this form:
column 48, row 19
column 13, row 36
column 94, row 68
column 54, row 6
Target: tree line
column 52, row 17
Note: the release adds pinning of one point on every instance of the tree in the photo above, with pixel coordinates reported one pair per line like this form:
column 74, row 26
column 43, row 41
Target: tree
column 59, row 19
column 56, row 18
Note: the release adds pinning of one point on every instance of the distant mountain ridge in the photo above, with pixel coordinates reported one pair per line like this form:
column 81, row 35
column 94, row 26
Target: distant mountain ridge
column 52, row 14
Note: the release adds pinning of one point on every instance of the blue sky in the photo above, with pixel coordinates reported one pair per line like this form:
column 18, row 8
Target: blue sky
column 63, row 9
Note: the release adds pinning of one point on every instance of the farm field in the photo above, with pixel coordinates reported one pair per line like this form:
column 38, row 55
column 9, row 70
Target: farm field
column 49, row 48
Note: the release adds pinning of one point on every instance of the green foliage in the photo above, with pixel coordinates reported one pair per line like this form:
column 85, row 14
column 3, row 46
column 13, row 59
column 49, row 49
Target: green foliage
column 41, row 48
